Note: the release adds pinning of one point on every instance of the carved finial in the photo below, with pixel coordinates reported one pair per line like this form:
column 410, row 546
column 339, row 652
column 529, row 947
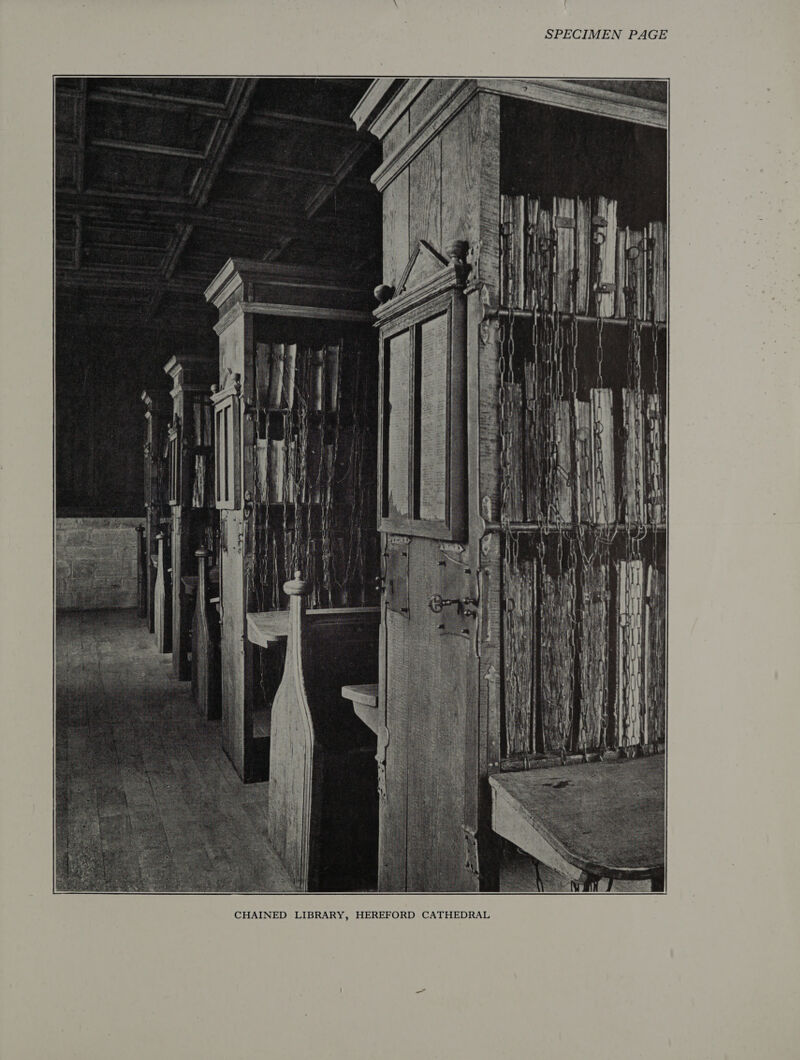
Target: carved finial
column 383, row 292
column 214, row 388
column 202, row 552
column 456, row 251
column 297, row 586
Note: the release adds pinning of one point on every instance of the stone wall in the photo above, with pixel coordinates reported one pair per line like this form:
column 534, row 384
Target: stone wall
column 96, row 563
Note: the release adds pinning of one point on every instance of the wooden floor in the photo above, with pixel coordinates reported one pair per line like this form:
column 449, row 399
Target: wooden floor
column 145, row 798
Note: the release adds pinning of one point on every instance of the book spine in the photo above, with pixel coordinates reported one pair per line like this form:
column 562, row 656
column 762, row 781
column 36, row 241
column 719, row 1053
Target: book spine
column 557, row 658
column 519, row 684
column 654, row 657
column 515, row 499
column 594, row 654
column 604, row 253
column 332, row 375
column 506, row 228
column 263, row 364
column 583, row 256
column 276, row 376
column 630, row 644
column 564, row 252
column 654, row 463
column 563, row 477
column 531, row 263
column 603, row 472
column 634, row 457
column 583, row 462
column 657, row 268
column 289, row 375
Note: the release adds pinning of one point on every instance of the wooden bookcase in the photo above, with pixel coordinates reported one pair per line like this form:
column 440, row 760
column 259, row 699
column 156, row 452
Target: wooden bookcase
column 513, row 644
column 157, row 513
column 295, row 430
column 190, row 488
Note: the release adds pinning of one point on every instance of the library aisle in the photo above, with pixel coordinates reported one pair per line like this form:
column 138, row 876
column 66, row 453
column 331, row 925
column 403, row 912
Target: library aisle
column 147, row 800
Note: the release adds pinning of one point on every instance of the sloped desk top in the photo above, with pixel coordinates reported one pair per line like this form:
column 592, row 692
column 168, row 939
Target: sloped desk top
column 598, row 820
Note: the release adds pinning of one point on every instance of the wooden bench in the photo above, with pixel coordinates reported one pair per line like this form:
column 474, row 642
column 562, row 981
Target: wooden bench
column 323, row 799
column 590, row 822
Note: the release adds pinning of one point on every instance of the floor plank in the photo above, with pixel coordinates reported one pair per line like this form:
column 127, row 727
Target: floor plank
column 145, row 798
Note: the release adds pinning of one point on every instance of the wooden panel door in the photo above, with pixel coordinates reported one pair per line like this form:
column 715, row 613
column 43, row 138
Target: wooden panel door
column 429, row 694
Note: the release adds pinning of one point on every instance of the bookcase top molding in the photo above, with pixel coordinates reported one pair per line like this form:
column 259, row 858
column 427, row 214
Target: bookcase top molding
column 190, row 372
column 272, row 289
column 427, row 275
column 387, row 99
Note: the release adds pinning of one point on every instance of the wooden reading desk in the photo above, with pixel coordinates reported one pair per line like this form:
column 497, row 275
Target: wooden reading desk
column 593, row 821
column 365, row 703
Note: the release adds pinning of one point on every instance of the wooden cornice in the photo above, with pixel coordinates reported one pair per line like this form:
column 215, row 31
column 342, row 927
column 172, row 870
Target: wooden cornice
column 555, row 92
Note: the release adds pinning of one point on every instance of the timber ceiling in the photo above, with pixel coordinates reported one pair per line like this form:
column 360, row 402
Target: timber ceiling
column 158, row 181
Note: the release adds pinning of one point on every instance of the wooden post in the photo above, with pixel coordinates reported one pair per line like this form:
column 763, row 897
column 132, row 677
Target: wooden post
column 162, row 617
column 142, row 571
column 205, row 645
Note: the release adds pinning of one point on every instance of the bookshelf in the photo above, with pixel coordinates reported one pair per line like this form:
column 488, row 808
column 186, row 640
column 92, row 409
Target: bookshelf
column 295, row 436
column 190, row 488
column 540, row 632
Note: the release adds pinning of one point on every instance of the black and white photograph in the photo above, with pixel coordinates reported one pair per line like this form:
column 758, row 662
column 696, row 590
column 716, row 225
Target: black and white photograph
column 361, row 484
column 399, row 453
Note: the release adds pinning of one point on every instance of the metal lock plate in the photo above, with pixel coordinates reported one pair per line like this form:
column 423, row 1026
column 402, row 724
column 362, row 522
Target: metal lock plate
column 458, row 583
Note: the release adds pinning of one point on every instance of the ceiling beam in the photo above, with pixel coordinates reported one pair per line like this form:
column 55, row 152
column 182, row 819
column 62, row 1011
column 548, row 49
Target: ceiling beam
column 147, row 149
column 237, row 105
column 315, row 203
column 314, row 176
column 156, row 101
column 280, row 119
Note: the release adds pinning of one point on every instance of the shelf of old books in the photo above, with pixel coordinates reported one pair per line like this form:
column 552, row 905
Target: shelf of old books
column 582, row 422
column 314, row 464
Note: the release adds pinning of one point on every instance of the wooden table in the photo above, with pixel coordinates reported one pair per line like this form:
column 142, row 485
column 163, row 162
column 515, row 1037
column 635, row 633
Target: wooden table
column 365, row 703
column 593, row 821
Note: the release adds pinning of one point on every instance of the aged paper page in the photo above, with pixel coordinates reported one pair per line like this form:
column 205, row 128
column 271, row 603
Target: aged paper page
column 711, row 969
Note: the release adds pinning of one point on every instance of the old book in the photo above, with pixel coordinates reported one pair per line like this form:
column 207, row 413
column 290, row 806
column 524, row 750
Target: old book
column 593, row 655
column 629, row 700
column 276, row 376
column 263, row 361
column 603, row 473
column 316, row 365
column 544, row 252
column 506, row 256
column 584, row 508
column 657, row 251
column 199, row 483
column 519, row 582
column 604, row 253
column 620, row 270
column 332, row 358
column 557, row 655
column 518, row 240
column 564, row 251
column 514, row 471
column 583, row 256
column 531, row 260
column 655, row 477
column 655, row 657
column 208, row 424
column 289, row 374
column 261, row 477
column 636, row 274
column 633, row 463
column 562, row 477
column 534, row 511
column 276, row 471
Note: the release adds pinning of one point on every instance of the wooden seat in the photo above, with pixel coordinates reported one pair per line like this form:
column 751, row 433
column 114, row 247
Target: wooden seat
column 365, row 703
column 593, row 821
column 323, row 799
